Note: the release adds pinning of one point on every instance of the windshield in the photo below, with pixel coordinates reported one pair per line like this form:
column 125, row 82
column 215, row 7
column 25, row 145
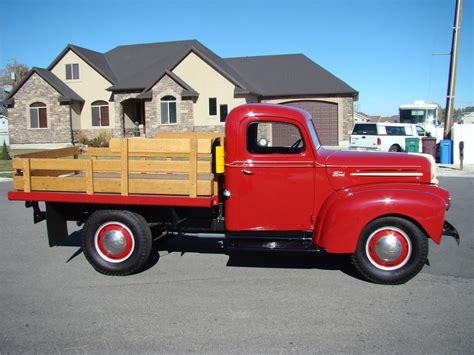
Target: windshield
column 412, row 116
column 314, row 135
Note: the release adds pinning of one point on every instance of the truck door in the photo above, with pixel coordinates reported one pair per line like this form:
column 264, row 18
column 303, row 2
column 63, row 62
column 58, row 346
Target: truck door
column 274, row 188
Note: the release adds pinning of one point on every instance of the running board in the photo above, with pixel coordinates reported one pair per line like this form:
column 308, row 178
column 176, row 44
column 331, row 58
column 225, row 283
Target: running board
column 271, row 243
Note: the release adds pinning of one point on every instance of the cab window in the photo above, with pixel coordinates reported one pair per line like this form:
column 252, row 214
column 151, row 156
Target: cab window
column 274, row 138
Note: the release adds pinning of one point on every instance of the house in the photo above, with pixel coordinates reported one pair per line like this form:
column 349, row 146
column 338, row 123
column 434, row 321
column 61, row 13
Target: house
column 385, row 119
column 167, row 86
column 4, row 131
column 360, row 117
column 468, row 118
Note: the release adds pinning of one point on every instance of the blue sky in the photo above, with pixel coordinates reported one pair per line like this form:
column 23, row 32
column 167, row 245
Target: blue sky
column 382, row 48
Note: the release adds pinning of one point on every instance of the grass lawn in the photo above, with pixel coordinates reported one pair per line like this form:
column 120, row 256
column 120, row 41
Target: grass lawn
column 6, row 165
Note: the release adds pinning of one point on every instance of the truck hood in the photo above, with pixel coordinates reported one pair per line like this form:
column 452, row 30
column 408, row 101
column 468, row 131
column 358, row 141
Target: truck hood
column 349, row 168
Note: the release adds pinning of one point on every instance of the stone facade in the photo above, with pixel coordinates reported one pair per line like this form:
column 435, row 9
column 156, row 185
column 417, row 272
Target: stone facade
column 61, row 116
column 347, row 115
column 58, row 115
column 184, row 107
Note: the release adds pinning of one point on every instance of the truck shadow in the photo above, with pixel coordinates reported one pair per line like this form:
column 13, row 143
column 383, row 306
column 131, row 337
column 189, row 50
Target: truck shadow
column 189, row 243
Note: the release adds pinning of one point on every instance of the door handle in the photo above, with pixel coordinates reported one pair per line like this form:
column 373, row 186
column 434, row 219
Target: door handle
column 247, row 172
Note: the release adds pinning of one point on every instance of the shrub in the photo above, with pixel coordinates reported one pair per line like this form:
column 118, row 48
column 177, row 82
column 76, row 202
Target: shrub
column 4, row 155
column 101, row 140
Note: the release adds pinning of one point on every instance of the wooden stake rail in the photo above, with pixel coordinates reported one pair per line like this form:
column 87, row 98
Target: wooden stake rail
column 160, row 166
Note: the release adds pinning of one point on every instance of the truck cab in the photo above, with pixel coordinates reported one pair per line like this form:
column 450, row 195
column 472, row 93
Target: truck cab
column 282, row 186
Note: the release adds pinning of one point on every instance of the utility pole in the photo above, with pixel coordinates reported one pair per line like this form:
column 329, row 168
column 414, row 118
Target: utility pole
column 453, row 66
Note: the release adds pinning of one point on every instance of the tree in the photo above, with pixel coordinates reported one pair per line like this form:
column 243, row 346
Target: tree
column 4, row 155
column 19, row 71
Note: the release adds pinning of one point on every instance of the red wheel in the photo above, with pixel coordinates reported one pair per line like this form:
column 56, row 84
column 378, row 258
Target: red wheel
column 390, row 250
column 116, row 242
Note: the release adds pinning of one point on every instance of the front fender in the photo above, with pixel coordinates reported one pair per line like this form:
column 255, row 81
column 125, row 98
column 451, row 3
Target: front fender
column 346, row 212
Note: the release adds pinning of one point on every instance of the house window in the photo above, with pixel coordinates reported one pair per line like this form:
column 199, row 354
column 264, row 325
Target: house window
column 72, row 71
column 100, row 114
column 212, row 106
column 168, row 110
column 38, row 115
column 223, row 112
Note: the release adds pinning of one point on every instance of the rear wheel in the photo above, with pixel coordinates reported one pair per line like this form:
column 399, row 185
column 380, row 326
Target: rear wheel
column 390, row 250
column 116, row 242
column 395, row 148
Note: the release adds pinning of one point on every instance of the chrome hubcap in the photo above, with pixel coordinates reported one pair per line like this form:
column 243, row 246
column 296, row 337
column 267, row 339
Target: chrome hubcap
column 388, row 248
column 114, row 242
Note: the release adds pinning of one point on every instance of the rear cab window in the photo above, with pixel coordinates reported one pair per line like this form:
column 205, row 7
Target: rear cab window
column 274, row 138
column 365, row 129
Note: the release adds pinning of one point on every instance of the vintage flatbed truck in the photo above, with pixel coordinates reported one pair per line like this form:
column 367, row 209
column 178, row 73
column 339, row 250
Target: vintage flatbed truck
column 268, row 185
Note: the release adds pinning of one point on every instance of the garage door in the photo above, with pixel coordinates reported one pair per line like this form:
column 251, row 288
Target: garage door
column 325, row 117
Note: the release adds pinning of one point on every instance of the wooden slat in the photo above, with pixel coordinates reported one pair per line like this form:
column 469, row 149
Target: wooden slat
column 43, row 183
column 193, row 168
column 166, row 145
column 199, row 135
column 52, row 154
column 99, row 152
column 90, row 177
column 168, row 187
column 124, row 166
column 58, row 164
column 153, row 145
column 26, row 175
column 106, row 165
column 156, row 166
column 17, row 163
column 107, row 185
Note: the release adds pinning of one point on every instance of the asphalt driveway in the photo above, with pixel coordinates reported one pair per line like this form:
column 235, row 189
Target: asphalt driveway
column 197, row 299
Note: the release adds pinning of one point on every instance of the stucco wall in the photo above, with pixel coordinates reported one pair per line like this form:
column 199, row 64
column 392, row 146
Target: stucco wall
column 91, row 86
column 38, row 90
column 208, row 83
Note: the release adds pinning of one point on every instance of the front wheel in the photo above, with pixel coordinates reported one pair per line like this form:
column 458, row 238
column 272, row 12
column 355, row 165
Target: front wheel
column 116, row 242
column 390, row 250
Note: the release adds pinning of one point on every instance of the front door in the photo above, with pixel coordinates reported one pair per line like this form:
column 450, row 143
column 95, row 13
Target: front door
column 276, row 185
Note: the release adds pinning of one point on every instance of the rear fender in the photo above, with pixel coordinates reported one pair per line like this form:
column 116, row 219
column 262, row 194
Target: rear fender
column 346, row 212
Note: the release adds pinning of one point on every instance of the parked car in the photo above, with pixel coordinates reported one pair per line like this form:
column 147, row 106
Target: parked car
column 385, row 137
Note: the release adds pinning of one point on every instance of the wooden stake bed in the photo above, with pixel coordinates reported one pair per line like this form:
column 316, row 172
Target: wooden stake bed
column 178, row 166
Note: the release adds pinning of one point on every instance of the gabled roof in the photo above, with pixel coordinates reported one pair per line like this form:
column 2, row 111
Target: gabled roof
column 67, row 94
column 140, row 66
column 95, row 59
column 289, row 75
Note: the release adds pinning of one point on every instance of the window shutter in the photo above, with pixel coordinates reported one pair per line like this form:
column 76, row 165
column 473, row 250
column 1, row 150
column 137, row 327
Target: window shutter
column 43, row 118
column 68, row 72
column 104, row 115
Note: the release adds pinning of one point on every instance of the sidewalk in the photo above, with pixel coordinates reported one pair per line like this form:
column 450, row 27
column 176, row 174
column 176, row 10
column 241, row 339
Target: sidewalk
column 454, row 170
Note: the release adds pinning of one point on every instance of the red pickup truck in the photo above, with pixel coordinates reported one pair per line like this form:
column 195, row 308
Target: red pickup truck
column 278, row 190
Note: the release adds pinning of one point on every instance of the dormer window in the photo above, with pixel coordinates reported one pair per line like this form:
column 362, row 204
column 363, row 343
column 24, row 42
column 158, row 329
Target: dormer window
column 72, row 71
